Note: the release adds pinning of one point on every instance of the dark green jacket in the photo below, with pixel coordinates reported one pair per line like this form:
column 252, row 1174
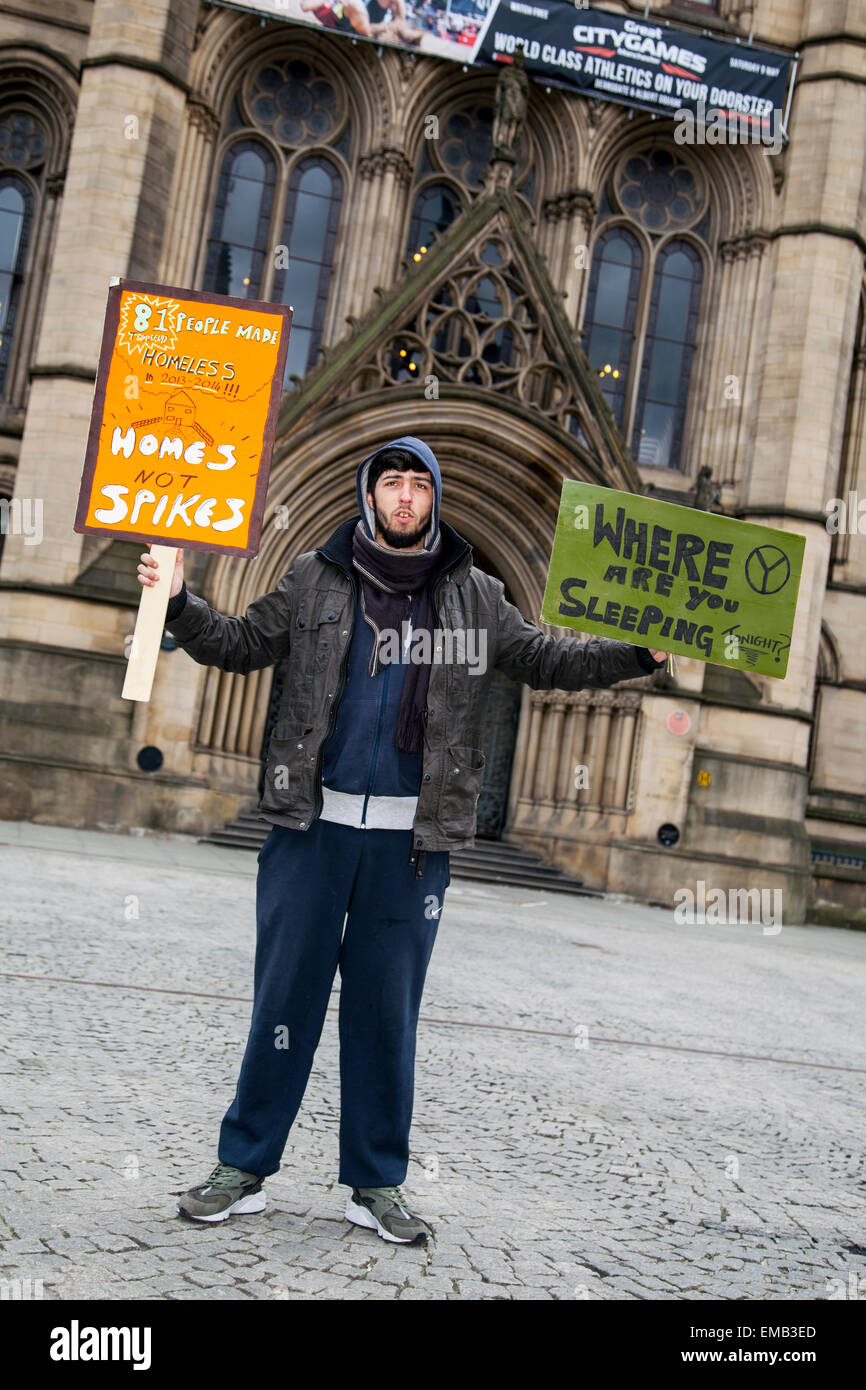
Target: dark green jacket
column 309, row 618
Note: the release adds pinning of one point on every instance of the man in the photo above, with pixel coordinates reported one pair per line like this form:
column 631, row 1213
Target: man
column 374, row 771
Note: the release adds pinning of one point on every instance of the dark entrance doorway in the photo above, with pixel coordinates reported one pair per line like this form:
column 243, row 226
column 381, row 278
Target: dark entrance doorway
column 500, row 735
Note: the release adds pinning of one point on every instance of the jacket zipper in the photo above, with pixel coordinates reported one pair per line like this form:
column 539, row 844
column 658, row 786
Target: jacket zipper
column 338, row 694
column 437, row 589
column 341, row 685
column 375, row 757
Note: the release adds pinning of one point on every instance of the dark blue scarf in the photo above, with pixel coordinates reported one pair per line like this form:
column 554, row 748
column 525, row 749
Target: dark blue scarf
column 394, row 584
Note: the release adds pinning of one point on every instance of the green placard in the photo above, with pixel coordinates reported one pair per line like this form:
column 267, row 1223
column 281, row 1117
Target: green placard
column 674, row 579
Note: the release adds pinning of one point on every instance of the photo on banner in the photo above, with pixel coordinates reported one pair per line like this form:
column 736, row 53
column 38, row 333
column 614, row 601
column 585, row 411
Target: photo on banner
column 451, row 30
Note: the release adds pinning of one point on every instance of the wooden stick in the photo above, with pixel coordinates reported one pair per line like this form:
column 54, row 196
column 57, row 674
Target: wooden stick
column 149, row 627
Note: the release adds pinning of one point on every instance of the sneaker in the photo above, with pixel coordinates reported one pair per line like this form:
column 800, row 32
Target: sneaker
column 228, row 1191
column 384, row 1210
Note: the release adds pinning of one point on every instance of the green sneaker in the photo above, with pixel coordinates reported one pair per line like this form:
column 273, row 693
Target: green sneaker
column 384, row 1210
column 227, row 1192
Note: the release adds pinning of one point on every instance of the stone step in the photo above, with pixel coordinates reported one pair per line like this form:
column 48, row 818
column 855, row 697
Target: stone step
column 517, row 878
column 487, row 861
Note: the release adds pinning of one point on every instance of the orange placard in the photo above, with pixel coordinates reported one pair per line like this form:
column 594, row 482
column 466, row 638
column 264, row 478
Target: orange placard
column 184, row 418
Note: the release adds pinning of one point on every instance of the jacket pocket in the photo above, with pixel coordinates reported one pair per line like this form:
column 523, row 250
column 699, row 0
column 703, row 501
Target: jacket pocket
column 462, row 781
column 289, row 757
column 319, row 614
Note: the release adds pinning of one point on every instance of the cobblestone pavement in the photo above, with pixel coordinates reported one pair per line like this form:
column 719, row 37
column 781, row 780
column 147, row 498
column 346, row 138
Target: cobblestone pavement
column 609, row 1105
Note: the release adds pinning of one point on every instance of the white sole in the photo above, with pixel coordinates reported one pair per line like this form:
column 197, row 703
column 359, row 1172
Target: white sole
column 362, row 1216
column 254, row 1201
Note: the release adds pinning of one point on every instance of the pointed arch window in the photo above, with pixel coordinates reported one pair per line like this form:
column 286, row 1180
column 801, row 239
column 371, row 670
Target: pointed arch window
column 611, row 310
column 24, row 156
column 309, row 236
column 667, row 358
column 646, row 284
column 236, row 251
column 16, row 217
column 277, row 204
column 435, row 209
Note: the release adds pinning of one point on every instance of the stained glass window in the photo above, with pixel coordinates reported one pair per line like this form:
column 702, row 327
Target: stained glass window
column 240, row 225
column 23, row 145
column 467, row 144
column 659, row 190
column 611, row 308
column 293, row 104
column 667, row 359
column 16, row 211
column 22, row 140
column 309, row 235
column 435, row 209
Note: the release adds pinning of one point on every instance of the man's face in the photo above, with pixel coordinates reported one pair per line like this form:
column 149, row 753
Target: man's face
column 402, row 503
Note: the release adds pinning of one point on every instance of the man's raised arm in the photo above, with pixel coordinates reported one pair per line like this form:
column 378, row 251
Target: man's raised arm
column 525, row 654
column 258, row 639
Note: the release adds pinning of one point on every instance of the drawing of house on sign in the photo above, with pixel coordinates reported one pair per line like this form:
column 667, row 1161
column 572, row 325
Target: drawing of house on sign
column 179, row 413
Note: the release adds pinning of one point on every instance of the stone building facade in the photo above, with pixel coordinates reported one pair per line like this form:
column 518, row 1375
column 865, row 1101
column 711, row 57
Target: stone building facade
column 608, row 305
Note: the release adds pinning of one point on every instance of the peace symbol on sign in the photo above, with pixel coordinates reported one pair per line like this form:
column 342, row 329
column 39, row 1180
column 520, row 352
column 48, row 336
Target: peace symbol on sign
column 768, row 569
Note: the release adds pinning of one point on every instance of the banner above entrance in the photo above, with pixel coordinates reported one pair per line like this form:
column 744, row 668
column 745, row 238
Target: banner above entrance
column 637, row 62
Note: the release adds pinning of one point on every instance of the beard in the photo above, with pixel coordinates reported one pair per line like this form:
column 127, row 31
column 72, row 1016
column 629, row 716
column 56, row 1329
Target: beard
column 400, row 540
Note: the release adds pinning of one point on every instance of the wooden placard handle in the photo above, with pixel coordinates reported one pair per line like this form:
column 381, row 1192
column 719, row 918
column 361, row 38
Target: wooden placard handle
column 149, row 627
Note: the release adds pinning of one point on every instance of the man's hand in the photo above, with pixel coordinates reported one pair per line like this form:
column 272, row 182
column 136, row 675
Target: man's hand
column 148, row 572
column 657, row 656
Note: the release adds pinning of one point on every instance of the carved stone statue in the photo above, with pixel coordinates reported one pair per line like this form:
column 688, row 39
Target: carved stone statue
column 706, row 491
column 510, row 105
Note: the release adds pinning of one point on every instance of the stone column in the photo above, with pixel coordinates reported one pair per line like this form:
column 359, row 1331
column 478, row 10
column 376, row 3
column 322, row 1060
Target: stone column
column 377, row 248
column 604, row 708
column 565, row 776
column 849, row 552
column 580, row 214
column 551, row 236
column 725, row 425
column 542, row 790
column 750, row 330
column 182, row 250
column 554, row 749
column 801, row 409
column 627, row 705
column 581, row 743
column 532, row 749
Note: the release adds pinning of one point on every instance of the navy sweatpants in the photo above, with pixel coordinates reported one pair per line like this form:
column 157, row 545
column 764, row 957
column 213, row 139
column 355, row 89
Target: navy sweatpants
column 308, row 881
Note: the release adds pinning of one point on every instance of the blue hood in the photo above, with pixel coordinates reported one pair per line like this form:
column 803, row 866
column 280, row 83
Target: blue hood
column 426, row 456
